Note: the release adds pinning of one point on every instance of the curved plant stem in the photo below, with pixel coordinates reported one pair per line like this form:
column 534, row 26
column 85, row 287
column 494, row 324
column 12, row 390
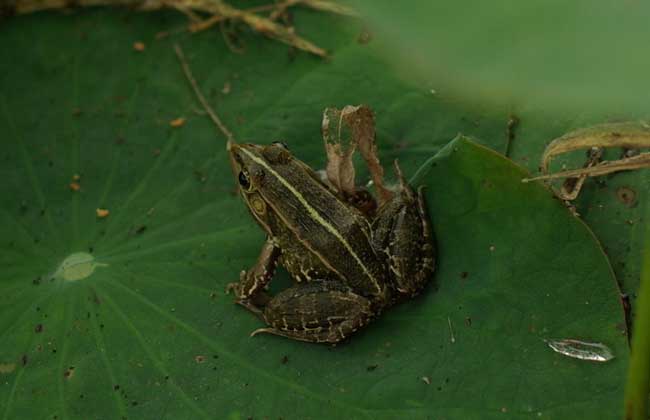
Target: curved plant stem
column 638, row 378
column 196, row 10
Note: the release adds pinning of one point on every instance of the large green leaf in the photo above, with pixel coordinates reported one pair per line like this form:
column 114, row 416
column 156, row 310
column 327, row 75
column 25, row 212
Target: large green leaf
column 127, row 316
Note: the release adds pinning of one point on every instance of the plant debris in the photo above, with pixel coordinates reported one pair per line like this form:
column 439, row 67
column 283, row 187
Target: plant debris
column 583, row 350
column 178, row 122
column 139, row 46
column 627, row 135
column 199, row 95
column 627, row 196
column 7, row 368
column 511, row 126
column 203, row 14
column 345, row 130
column 102, row 213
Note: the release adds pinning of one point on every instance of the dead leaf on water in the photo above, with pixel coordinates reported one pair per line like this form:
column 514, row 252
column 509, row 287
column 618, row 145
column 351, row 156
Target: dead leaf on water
column 627, row 135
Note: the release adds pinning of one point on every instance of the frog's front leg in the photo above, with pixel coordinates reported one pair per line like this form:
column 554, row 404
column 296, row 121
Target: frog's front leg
column 249, row 290
column 317, row 312
column 402, row 232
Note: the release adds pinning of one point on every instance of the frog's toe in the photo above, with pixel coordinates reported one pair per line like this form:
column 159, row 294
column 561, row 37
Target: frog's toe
column 263, row 331
column 233, row 287
column 315, row 335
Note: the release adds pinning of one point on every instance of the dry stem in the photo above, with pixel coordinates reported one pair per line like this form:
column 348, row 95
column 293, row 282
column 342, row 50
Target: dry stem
column 190, row 78
column 631, row 135
column 217, row 11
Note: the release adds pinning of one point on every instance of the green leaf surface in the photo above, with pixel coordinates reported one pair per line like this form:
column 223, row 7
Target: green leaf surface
column 579, row 55
column 126, row 316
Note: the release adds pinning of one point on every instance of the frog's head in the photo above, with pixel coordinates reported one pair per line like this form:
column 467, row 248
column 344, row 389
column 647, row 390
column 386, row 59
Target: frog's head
column 254, row 167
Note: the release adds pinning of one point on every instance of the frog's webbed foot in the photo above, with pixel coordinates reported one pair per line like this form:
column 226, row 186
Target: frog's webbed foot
column 317, row 312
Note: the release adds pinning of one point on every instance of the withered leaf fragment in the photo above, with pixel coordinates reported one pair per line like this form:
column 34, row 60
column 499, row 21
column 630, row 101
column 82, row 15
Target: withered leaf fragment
column 344, row 131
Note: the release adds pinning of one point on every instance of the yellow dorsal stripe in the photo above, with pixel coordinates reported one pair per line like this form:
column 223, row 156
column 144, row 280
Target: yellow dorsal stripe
column 313, row 213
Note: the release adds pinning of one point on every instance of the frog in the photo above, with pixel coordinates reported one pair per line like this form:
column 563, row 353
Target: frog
column 348, row 266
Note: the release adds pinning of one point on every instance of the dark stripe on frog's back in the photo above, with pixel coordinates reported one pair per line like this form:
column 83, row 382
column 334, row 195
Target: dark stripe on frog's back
column 335, row 212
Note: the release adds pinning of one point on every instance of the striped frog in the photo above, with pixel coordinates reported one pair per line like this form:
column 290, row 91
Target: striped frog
column 348, row 267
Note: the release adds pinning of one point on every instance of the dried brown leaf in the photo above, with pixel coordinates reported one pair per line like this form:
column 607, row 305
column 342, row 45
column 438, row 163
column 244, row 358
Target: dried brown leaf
column 628, row 135
column 344, row 131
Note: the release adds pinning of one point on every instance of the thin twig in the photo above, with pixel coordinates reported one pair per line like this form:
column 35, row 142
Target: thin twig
column 188, row 74
column 213, row 20
column 513, row 122
column 196, row 10
column 637, row 162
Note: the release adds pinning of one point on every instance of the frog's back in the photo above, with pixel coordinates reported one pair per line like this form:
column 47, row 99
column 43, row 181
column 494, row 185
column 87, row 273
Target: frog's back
column 330, row 229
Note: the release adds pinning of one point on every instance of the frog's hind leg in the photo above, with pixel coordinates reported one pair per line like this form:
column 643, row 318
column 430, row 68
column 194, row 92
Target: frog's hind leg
column 402, row 231
column 317, row 312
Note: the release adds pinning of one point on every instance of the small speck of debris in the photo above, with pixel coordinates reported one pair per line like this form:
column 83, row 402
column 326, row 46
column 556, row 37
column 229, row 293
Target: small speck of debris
column 504, row 409
column 38, row 328
column 468, row 321
column 69, row 373
column 76, row 177
column 102, row 213
column 7, row 367
column 464, row 274
column 178, row 122
column 285, row 359
column 492, row 248
column 432, row 91
column 626, row 196
column 140, row 230
column 200, row 175
column 24, row 360
column 426, row 380
column 199, row 359
column 116, row 387
column 74, row 186
column 139, row 46
column 226, row 88
column 364, row 37
column 372, row 367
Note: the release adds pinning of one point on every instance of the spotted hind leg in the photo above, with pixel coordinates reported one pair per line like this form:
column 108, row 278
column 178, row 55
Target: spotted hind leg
column 317, row 312
column 402, row 233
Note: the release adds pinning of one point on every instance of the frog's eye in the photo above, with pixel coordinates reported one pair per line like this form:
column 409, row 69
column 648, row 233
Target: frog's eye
column 281, row 144
column 244, row 180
